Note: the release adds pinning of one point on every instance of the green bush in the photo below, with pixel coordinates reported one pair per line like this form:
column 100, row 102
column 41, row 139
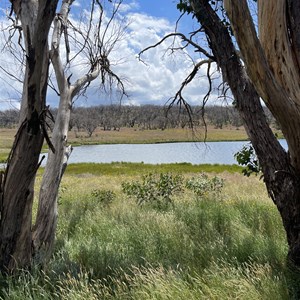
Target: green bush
column 105, row 197
column 203, row 185
column 156, row 190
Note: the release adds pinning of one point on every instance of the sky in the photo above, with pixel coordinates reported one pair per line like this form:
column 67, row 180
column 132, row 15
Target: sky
column 152, row 81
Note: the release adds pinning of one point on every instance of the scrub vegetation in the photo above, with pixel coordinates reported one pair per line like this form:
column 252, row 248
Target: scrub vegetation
column 224, row 243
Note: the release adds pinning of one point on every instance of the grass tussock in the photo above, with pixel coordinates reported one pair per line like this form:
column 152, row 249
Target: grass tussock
column 228, row 245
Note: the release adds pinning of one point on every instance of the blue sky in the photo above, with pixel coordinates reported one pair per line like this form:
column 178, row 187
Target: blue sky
column 154, row 81
column 162, row 9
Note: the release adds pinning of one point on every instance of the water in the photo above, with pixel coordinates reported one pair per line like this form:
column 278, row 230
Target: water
column 194, row 153
column 190, row 152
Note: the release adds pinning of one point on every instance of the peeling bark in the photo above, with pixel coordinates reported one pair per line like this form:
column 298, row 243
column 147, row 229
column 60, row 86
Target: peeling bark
column 17, row 185
column 18, row 243
column 280, row 169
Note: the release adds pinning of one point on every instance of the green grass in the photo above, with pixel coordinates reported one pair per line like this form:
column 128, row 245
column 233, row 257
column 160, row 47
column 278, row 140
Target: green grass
column 123, row 168
column 227, row 246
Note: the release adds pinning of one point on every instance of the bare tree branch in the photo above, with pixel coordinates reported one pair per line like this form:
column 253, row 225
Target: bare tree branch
column 184, row 38
column 180, row 100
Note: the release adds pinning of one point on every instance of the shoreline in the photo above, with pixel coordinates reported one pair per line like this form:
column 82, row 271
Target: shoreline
column 137, row 136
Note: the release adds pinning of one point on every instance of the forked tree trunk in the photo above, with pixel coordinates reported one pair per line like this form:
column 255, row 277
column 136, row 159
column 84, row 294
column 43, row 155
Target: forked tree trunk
column 279, row 168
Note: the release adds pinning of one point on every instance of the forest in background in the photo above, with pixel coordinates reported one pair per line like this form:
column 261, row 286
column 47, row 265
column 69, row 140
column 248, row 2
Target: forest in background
column 146, row 117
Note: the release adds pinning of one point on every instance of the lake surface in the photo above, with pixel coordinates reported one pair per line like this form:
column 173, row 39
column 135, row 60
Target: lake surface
column 193, row 152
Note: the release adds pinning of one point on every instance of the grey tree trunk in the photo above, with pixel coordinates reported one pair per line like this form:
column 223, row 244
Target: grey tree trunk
column 46, row 221
column 16, row 189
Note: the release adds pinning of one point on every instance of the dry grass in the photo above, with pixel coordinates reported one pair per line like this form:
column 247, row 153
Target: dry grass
column 136, row 135
column 133, row 136
column 246, row 188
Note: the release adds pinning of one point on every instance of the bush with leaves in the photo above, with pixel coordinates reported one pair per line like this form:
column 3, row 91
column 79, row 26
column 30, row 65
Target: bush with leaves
column 154, row 189
column 203, row 185
column 105, row 197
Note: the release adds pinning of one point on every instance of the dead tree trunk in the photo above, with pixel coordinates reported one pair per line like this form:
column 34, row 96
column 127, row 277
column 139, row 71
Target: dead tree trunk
column 45, row 226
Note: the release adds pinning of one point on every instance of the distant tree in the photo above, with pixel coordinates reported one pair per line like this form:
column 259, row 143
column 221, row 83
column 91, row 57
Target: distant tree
column 89, row 120
column 9, row 118
column 217, row 116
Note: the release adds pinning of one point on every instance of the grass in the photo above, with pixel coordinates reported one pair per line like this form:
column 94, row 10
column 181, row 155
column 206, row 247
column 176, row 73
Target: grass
column 124, row 168
column 222, row 246
column 137, row 135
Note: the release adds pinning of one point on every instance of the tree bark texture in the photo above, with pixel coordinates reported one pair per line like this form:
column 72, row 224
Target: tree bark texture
column 46, row 221
column 16, row 190
column 19, row 242
column 279, row 168
column 265, row 74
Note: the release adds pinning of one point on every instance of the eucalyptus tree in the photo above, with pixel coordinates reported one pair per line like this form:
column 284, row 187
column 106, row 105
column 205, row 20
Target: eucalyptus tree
column 265, row 66
column 272, row 60
column 91, row 42
column 256, row 67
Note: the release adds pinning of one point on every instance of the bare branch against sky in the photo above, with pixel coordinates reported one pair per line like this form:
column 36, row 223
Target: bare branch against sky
column 154, row 82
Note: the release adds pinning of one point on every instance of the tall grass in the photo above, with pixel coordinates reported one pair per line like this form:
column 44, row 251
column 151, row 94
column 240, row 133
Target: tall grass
column 228, row 246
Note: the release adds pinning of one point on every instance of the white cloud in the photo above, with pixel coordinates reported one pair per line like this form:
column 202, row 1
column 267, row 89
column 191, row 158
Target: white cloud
column 125, row 7
column 10, row 86
column 154, row 81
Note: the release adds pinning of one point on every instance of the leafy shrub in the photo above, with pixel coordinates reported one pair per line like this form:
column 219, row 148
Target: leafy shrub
column 203, row 185
column 154, row 189
column 104, row 197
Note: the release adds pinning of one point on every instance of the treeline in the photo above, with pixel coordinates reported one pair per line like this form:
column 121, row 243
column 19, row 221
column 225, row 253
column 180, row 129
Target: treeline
column 146, row 117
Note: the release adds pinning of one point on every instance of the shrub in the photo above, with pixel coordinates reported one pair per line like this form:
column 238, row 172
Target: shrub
column 104, row 197
column 156, row 190
column 203, row 185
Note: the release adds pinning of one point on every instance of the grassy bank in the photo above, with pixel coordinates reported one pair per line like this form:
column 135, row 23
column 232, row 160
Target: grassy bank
column 137, row 136
column 228, row 245
column 134, row 136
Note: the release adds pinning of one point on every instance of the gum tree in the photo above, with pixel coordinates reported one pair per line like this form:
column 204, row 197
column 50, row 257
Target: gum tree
column 264, row 66
column 272, row 63
column 17, row 182
column 90, row 41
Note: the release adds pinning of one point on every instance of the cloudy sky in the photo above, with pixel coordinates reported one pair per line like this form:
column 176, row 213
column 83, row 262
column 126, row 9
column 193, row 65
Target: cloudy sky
column 153, row 81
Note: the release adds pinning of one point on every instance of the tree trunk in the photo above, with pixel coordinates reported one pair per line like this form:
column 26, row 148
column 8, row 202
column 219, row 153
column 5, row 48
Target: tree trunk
column 15, row 227
column 46, row 221
column 280, row 177
column 17, row 184
column 45, row 226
